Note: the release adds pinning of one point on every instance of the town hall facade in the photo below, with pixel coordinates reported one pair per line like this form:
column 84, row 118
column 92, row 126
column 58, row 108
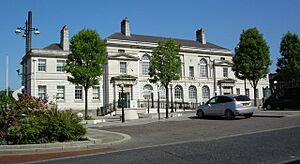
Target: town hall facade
column 206, row 71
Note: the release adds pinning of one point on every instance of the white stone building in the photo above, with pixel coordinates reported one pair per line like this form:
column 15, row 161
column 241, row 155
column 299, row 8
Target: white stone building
column 206, row 71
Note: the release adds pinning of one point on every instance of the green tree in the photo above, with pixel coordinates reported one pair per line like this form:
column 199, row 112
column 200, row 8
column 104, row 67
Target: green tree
column 288, row 66
column 5, row 99
column 252, row 58
column 86, row 60
column 165, row 65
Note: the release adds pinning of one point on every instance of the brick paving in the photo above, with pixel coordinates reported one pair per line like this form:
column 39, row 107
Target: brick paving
column 21, row 158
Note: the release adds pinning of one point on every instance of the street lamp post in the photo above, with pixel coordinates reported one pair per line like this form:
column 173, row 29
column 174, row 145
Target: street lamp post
column 27, row 31
column 158, row 103
column 122, row 100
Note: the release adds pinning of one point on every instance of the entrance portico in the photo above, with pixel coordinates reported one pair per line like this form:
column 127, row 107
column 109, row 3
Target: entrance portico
column 128, row 82
column 226, row 86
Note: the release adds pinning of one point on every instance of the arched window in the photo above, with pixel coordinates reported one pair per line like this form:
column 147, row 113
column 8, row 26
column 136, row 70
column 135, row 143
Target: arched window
column 192, row 92
column 147, row 90
column 203, row 68
column 178, row 92
column 162, row 92
column 145, row 64
column 205, row 92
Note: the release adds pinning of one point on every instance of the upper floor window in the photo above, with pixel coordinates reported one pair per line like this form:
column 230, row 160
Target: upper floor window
column 123, row 67
column 178, row 92
column 145, row 64
column 42, row 91
column 60, row 65
column 42, row 65
column 121, row 51
column 96, row 93
column 191, row 71
column 60, row 94
column 78, row 92
column 222, row 58
column 192, row 92
column 203, row 68
column 225, row 72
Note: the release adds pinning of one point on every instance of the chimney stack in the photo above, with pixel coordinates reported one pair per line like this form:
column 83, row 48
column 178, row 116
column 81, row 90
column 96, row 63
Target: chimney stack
column 125, row 29
column 64, row 38
column 200, row 35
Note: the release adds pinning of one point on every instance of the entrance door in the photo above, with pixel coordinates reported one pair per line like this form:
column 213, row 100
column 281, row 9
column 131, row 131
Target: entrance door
column 126, row 101
column 227, row 90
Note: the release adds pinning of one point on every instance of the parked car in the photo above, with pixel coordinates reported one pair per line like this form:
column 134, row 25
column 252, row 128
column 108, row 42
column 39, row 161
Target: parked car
column 284, row 98
column 228, row 106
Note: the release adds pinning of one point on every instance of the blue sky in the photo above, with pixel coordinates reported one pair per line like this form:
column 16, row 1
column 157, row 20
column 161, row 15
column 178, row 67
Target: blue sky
column 223, row 22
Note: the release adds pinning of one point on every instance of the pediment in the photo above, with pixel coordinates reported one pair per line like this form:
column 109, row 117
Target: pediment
column 123, row 56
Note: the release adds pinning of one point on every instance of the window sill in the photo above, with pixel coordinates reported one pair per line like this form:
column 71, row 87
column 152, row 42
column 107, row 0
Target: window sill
column 78, row 101
column 61, row 101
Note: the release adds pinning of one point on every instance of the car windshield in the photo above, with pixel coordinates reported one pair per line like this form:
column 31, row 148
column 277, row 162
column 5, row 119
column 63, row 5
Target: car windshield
column 242, row 98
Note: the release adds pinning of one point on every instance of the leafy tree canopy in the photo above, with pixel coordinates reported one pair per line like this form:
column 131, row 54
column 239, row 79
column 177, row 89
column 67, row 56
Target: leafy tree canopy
column 252, row 56
column 289, row 64
column 85, row 63
column 165, row 64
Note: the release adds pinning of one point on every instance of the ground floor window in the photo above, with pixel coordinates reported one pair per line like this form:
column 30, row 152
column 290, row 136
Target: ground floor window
column 192, row 92
column 178, row 92
column 162, row 92
column 60, row 95
column 78, row 92
column 205, row 92
column 96, row 93
column 42, row 91
column 147, row 91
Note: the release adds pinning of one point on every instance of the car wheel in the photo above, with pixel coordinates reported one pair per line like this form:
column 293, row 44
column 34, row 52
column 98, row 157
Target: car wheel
column 229, row 115
column 200, row 114
column 269, row 107
column 248, row 115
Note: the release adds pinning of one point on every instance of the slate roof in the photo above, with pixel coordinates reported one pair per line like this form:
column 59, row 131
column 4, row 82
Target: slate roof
column 156, row 39
column 53, row 46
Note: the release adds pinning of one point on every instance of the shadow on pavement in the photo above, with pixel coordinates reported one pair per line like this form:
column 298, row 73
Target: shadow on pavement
column 269, row 116
column 215, row 118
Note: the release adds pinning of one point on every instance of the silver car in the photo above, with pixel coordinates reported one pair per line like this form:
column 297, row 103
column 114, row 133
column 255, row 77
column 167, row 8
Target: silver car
column 228, row 106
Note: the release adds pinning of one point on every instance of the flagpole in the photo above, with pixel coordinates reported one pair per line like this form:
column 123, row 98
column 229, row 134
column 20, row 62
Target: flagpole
column 6, row 75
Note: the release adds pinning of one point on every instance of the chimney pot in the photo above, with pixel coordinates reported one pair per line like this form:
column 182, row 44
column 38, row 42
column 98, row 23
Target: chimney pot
column 200, row 35
column 64, row 38
column 125, row 28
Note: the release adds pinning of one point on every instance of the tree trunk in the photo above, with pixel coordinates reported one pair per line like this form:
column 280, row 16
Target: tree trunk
column 86, row 102
column 167, row 100
column 255, row 94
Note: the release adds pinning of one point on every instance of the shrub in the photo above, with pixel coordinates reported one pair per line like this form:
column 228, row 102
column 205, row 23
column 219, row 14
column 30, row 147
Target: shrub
column 28, row 131
column 52, row 126
column 64, row 126
column 28, row 120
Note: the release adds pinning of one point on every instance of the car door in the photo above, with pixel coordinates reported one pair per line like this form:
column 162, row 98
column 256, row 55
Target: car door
column 220, row 106
column 212, row 106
